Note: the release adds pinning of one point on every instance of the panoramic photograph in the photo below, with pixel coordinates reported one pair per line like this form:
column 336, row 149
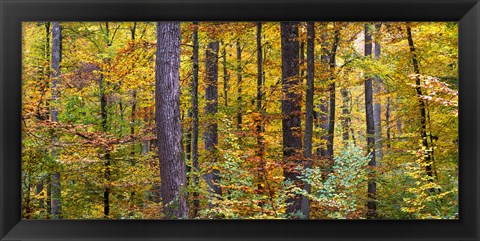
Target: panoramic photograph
column 240, row 120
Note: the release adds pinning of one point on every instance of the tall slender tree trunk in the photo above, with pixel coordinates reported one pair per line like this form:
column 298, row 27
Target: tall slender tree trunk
column 323, row 106
column 259, row 126
column 372, row 186
column 387, row 122
column 239, row 85
column 377, row 111
column 346, row 121
column 291, row 111
column 211, row 108
column 132, row 124
column 105, row 128
column 428, row 158
column 169, row 128
column 194, row 91
column 55, row 76
column 307, row 148
column 225, row 76
column 331, row 116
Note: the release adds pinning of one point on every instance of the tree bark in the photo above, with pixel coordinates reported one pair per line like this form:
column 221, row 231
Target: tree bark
column 105, row 128
column 239, row 85
column 428, row 158
column 291, row 111
column 387, row 122
column 259, row 126
column 225, row 76
column 196, row 201
column 169, row 129
column 345, row 116
column 331, row 116
column 377, row 111
column 307, row 148
column 106, row 174
column 372, row 186
column 322, row 118
column 211, row 108
column 56, row 209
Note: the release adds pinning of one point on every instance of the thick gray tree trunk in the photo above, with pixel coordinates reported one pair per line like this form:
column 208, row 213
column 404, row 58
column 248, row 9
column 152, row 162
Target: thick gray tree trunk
column 211, row 108
column 56, row 208
column 307, row 148
column 372, row 186
column 291, row 111
column 167, row 115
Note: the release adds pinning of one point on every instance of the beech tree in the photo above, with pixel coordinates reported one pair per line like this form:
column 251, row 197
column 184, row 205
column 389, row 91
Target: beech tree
column 372, row 185
column 196, row 201
column 56, row 76
column 169, row 128
column 292, row 143
column 307, row 148
column 211, row 109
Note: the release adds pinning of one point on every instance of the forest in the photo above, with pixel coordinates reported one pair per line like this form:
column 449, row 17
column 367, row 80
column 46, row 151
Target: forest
column 240, row 120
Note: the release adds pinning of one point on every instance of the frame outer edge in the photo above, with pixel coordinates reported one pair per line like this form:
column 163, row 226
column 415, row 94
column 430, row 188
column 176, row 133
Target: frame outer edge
column 2, row 96
column 3, row 102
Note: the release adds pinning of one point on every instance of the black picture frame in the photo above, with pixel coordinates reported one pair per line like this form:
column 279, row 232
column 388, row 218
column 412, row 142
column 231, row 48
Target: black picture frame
column 13, row 12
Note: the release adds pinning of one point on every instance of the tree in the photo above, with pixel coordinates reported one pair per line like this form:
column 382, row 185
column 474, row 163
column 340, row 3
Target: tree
column 105, row 126
column 322, row 118
column 346, row 120
column 372, row 186
column 292, row 142
column 422, row 106
column 169, row 128
column 307, row 148
column 196, row 201
column 259, row 127
column 331, row 115
column 56, row 76
column 211, row 109
column 377, row 110
column 239, row 85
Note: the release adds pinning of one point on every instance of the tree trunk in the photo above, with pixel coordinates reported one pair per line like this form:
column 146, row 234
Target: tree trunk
column 346, row 121
column 387, row 122
column 105, row 128
column 331, row 116
column 372, row 186
column 259, row 107
column 169, row 128
column 132, row 124
column 291, row 111
column 106, row 174
column 428, row 158
column 322, row 118
column 211, row 108
column 196, row 201
column 307, row 148
column 239, row 85
column 55, row 76
column 377, row 111
column 225, row 76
